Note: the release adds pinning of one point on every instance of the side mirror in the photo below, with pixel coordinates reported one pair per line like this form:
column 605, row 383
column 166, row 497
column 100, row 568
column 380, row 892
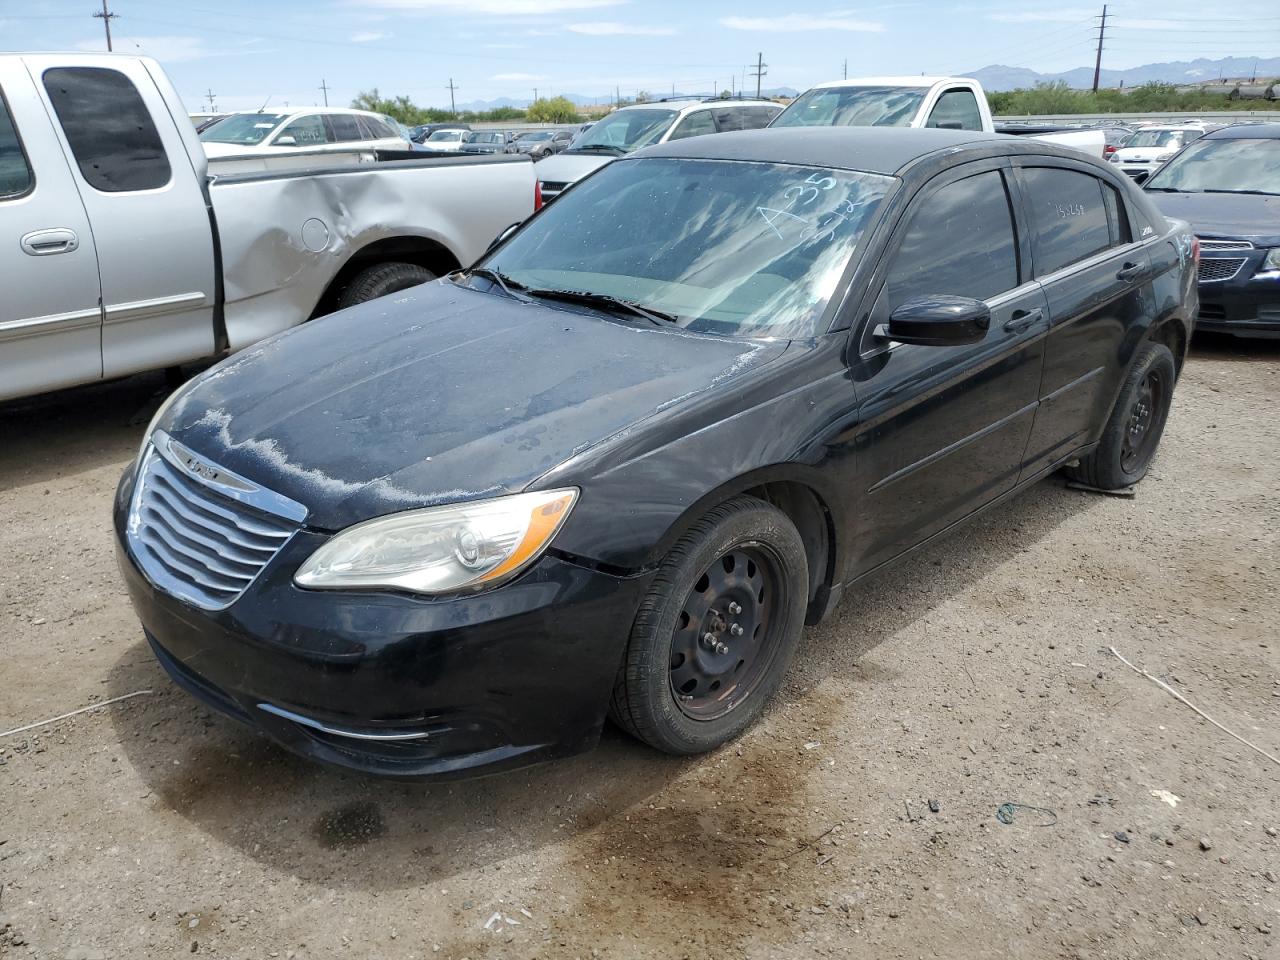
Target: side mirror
column 501, row 238
column 286, row 141
column 938, row 321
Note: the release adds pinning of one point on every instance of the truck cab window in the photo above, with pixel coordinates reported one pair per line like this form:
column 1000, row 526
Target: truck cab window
column 1069, row 217
column 15, row 173
column 114, row 142
column 960, row 242
column 956, row 110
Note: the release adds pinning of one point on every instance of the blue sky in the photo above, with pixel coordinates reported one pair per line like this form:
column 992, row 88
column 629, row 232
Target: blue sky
column 246, row 51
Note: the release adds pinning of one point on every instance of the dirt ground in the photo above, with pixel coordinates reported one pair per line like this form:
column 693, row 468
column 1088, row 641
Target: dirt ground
column 974, row 674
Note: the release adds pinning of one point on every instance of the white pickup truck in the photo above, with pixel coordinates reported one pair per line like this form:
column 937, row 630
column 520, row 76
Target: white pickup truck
column 955, row 103
column 119, row 252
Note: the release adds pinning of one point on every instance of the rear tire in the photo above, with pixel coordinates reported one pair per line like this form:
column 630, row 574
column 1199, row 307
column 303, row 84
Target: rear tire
column 1133, row 431
column 739, row 576
column 382, row 279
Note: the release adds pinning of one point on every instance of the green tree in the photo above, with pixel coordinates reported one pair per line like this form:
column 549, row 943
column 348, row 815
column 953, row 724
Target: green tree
column 642, row 96
column 552, row 110
column 726, row 94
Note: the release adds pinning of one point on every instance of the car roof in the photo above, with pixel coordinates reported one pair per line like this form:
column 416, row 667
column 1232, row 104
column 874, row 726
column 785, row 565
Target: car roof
column 884, row 150
column 688, row 106
column 1246, row 131
column 922, row 82
column 290, row 111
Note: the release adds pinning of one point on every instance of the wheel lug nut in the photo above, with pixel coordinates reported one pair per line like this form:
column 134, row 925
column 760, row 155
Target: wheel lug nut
column 736, row 630
column 722, row 649
column 735, row 608
column 709, row 639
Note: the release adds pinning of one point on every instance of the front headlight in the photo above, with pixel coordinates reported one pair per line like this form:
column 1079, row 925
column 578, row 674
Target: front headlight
column 438, row 550
column 1272, row 262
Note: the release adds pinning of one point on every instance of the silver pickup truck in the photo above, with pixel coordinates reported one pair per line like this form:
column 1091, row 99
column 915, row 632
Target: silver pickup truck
column 120, row 253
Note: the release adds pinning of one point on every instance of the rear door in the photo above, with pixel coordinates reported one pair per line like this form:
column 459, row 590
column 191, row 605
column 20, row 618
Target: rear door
column 50, row 307
column 943, row 429
column 147, row 206
column 1096, row 277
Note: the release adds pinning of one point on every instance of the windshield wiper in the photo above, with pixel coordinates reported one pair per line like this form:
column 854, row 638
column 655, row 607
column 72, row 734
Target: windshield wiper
column 509, row 286
column 598, row 146
column 1261, row 193
column 656, row 317
column 1164, row 190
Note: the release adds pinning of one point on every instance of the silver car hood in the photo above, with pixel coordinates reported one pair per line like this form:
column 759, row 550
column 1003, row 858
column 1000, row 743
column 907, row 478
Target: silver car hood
column 571, row 167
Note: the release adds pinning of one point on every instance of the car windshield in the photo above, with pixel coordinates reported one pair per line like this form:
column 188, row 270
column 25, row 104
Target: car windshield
column 445, row 136
column 1157, row 138
column 243, row 128
column 726, row 247
column 852, row 107
column 1238, row 166
column 627, row 130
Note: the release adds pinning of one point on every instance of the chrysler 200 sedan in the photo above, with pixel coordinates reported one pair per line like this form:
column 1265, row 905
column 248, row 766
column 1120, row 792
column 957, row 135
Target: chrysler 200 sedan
column 615, row 467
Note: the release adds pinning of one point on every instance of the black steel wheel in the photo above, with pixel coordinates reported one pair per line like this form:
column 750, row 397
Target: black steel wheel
column 1132, row 433
column 713, row 637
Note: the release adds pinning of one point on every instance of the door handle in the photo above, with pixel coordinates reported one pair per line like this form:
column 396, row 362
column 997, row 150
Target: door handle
column 42, row 243
column 1129, row 272
column 1022, row 320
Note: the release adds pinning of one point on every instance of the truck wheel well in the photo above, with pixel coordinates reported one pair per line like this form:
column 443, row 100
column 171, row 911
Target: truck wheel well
column 418, row 250
column 813, row 520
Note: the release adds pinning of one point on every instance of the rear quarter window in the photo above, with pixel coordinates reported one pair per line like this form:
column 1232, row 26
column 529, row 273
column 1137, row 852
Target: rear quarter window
column 1069, row 217
column 109, row 129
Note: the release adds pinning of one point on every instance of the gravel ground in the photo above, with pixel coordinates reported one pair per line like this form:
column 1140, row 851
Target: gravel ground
column 858, row 819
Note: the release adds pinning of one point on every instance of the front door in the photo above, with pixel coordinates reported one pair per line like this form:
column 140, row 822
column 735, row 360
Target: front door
column 50, row 307
column 943, row 429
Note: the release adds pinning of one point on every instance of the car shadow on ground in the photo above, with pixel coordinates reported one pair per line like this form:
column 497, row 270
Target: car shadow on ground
column 309, row 821
column 1223, row 346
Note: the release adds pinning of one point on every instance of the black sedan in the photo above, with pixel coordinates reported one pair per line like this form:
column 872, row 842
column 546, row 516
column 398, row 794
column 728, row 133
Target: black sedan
column 487, row 141
column 1227, row 184
column 614, row 468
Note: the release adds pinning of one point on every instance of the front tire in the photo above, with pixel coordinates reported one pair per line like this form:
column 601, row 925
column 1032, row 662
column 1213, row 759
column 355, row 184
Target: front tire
column 1137, row 422
column 713, row 637
column 382, row 279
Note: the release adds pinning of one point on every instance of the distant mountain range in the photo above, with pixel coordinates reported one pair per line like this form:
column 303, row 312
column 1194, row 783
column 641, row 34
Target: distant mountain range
column 997, row 77
column 584, row 101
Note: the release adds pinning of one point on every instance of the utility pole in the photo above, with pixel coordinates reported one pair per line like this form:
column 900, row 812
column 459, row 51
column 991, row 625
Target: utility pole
column 452, row 109
column 209, row 96
column 325, row 87
column 760, row 71
column 106, row 16
column 1097, row 64
column 535, row 94
column 846, row 68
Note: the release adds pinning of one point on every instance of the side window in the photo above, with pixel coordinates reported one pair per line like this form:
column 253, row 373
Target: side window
column 15, row 173
column 729, row 119
column 1117, row 216
column 960, row 241
column 306, row 131
column 694, row 125
column 345, row 128
column 380, row 129
column 1069, row 217
column 956, row 110
column 756, row 118
column 114, row 142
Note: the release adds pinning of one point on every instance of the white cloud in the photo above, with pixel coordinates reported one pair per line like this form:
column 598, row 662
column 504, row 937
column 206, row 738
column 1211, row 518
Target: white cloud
column 802, row 23
column 1062, row 15
column 619, row 30
column 164, row 49
column 367, row 36
column 502, row 8
column 517, row 77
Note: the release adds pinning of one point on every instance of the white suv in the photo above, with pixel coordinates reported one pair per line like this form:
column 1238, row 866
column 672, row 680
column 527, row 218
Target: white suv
column 642, row 125
column 1152, row 145
column 300, row 128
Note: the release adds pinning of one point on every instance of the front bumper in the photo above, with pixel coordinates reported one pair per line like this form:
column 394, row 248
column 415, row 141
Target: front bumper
column 396, row 685
column 1245, row 305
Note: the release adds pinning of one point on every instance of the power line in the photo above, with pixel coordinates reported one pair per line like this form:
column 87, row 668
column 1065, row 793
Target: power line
column 106, row 16
column 1097, row 64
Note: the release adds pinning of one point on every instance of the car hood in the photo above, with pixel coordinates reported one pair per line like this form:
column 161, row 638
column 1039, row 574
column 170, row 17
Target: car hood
column 570, row 167
column 1145, row 153
column 439, row 394
column 1245, row 216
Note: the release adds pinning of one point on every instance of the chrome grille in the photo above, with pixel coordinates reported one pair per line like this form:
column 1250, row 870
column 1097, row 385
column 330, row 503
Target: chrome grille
column 203, row 538
column 1224, row 244
column 1213, row 269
